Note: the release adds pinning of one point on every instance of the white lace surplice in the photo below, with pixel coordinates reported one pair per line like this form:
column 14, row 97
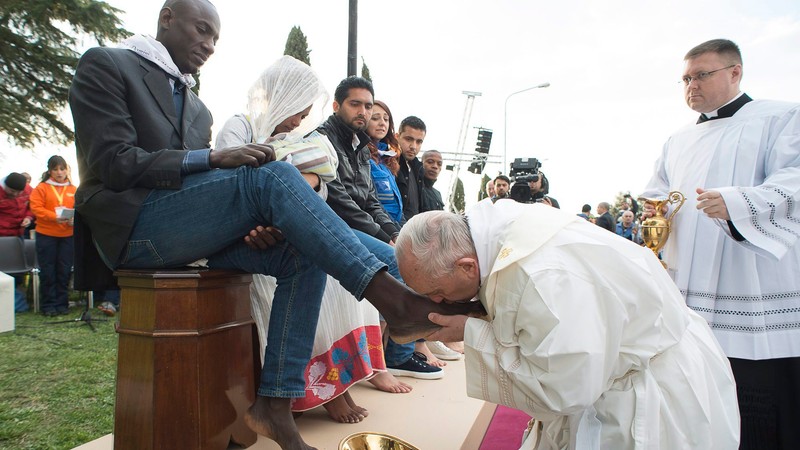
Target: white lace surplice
column 749, row 291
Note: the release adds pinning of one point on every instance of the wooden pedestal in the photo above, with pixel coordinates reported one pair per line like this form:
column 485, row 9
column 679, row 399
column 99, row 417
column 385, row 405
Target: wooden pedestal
column 185, row 362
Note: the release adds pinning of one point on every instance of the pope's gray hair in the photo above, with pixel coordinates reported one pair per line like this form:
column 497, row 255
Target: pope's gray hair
column 437, row 238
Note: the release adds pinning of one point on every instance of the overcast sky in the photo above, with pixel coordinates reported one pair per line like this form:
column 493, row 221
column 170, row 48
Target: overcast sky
column 613, row 66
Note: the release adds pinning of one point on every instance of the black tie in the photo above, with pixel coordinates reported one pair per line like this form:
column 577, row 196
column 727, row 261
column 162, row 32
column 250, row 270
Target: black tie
column 177, row 98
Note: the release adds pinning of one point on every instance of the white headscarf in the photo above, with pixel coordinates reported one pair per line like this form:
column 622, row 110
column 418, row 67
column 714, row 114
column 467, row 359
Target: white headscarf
column 284, row 89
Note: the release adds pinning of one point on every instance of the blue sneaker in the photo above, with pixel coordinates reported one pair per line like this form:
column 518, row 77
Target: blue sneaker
column 416, row 367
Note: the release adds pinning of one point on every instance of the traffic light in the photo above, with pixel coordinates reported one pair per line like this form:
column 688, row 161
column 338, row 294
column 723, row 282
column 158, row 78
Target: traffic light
column 477, row 165
column 484, row 140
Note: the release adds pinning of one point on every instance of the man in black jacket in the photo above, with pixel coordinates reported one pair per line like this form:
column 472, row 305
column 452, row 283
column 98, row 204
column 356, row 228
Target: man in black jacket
column 431, row 167
column 409, row 181
column 352, row 196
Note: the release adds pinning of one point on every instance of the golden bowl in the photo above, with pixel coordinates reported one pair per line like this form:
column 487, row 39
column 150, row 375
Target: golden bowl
column 367, row 440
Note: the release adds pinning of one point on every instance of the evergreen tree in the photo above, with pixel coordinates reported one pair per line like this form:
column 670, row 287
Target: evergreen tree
column 38, row 60
column 458, row 206
column 297, row 45
column 482, row 193
column 365, row 70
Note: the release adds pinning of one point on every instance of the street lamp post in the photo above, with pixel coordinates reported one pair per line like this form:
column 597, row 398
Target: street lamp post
column 505, row 119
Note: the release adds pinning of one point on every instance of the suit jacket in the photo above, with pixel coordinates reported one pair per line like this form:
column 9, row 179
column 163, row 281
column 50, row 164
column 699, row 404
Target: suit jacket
column 128, row 142
column 607, row 221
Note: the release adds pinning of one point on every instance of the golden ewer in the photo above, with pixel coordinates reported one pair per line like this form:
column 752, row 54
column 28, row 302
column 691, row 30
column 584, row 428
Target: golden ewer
column 374, row 441
column 655, row 230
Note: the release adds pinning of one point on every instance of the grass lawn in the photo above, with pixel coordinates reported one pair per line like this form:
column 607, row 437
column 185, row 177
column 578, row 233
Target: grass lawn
column 56, row 382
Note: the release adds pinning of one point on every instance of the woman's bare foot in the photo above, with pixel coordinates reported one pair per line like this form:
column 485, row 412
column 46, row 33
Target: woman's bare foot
column 386, row 382
column 456, row 346
column 272, row 417
column 432, row 360
column 340, row 411
column 352, row 403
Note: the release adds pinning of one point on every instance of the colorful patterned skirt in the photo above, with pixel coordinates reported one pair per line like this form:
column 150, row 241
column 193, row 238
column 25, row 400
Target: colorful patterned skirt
column 347, row 346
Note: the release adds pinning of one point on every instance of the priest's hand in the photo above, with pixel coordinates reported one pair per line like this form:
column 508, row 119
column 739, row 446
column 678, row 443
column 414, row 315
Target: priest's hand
column 649, row 210
column 452, row 327
column 262, row 238
column 712, row 204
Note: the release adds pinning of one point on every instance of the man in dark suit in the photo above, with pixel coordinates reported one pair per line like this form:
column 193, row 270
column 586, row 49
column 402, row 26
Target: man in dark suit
column 605, row 219
column 149, row 199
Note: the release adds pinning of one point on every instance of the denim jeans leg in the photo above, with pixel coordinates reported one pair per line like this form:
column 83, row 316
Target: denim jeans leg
column 46, row 248
column 394, row 353
column 216, row 209
column 209, row 217
column 294, row 313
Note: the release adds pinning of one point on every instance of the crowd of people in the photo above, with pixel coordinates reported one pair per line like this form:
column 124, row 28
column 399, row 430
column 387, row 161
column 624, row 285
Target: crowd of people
column 583, row 330
column 45, row 215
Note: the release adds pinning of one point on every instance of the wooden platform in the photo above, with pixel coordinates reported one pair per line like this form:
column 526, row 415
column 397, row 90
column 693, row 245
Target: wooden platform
column 436, row 415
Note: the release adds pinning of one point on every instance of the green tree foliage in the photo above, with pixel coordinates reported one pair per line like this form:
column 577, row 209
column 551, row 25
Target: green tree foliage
column 38, row 59
column 482, row 193
column 365, row 70
column 458, row 206
column 297, row 45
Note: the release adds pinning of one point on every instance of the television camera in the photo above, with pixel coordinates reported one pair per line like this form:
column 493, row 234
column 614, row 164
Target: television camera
column 524, row 171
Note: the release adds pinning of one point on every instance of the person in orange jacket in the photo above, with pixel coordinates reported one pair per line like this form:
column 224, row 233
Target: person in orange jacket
column 53, row 202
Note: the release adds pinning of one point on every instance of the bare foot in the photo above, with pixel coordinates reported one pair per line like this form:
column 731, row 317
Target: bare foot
column 340, row 411
column 352, row 403
column 272, row 417
column 406, row 312
column 456, row 346
column 386, row 382
column 432, row 360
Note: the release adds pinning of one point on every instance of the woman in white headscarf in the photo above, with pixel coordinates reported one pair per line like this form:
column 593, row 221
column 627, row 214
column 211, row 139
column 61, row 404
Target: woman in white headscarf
column 284, row 104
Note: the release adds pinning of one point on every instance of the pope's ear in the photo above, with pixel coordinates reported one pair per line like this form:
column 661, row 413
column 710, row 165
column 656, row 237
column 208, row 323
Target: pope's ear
column 469, row 265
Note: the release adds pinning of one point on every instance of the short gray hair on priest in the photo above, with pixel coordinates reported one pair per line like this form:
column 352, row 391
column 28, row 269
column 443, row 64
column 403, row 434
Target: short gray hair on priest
column 438, row 238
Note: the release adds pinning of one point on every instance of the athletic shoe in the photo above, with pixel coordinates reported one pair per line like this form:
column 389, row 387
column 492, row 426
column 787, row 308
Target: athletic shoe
column 107, row 308
column 442, row 351
column 416, row 367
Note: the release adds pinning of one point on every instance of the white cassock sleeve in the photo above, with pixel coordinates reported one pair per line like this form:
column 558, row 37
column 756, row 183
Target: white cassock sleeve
column 556, row 343
column 768, row 215
column 658, row 186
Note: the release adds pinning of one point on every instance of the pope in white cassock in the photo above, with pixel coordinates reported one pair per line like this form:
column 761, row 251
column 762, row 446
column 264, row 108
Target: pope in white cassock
column 586, row 332
column 733, row 247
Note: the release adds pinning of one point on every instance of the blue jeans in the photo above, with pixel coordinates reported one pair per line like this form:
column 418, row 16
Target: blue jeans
column 111, row 296
column 55, row 255
column 209, row 217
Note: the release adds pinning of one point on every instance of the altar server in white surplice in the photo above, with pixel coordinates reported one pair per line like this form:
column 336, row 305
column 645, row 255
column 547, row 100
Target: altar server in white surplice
column 586, row 332
column 733, row 248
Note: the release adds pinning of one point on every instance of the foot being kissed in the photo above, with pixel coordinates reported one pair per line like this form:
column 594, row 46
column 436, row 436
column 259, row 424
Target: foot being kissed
column 406, row 312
